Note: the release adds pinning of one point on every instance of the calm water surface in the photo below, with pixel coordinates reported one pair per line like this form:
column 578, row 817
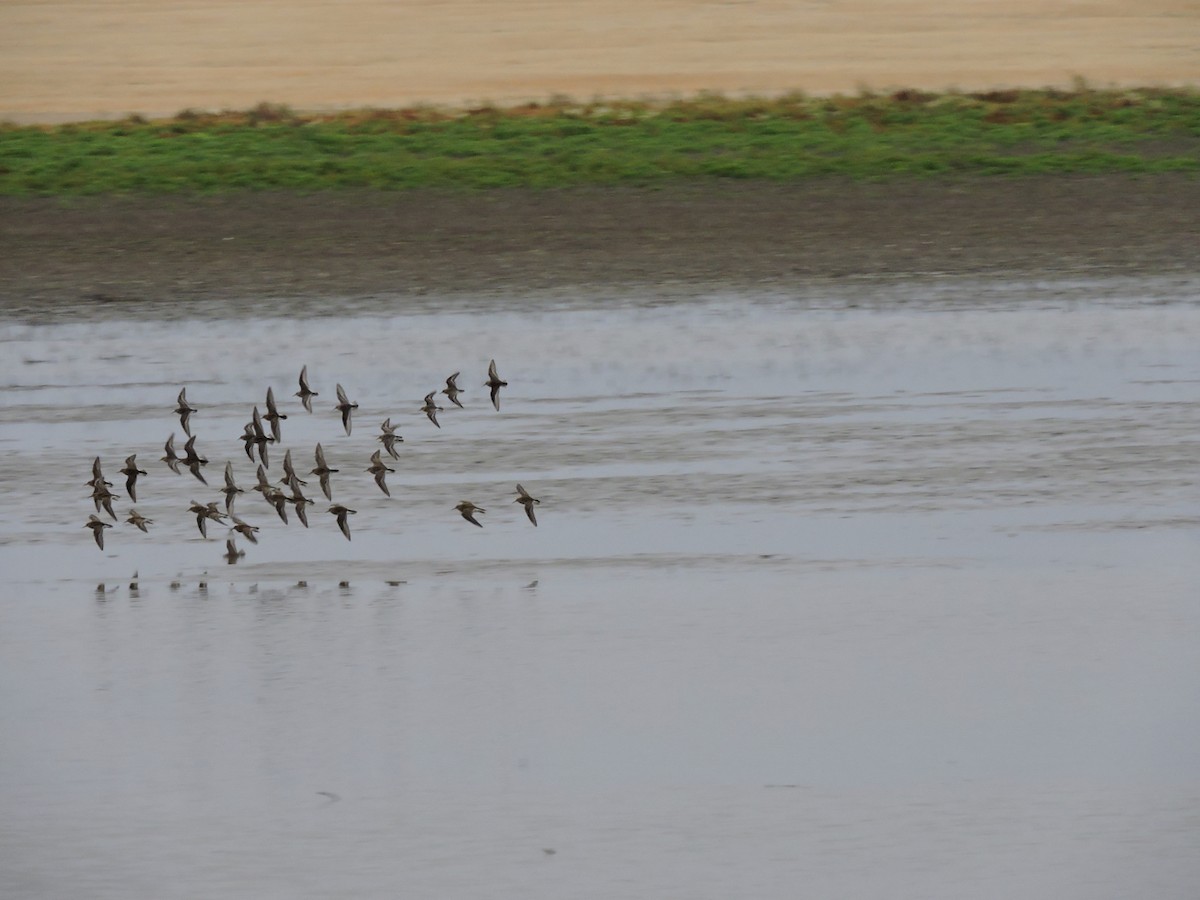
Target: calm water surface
column 887, row 590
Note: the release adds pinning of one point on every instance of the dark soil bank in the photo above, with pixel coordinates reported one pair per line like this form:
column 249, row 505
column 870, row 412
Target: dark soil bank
column 683, row 239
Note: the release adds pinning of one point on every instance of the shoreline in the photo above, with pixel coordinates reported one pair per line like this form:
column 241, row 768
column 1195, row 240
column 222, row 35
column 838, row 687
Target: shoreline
column 684, row 239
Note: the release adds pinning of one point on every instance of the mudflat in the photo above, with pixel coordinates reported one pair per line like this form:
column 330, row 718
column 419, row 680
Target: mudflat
column 75, row 59
column 683, row 239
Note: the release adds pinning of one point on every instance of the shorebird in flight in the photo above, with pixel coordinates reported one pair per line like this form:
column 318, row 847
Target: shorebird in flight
column 245, row 529
column 305, row 393
column 431, row 409
column 452, row 390
column 230, row 490
column 495, row 382
column 170, row 458
column 131, row 472
column 194, row 460
column 137, row 520
column 232, row 553
column 185, row 412
column 322, row 471
column 342, row 512
column 389, row 438
column 97, row 527
column 468, row 510
column 379, row 470
column 273, row 416
column 527, row 501
column 345, row 407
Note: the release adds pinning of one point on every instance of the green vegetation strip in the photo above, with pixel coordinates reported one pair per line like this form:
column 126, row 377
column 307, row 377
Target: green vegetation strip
column 563, row 143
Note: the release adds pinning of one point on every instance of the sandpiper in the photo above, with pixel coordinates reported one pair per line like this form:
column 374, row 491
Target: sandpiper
column 230, row 490
column 298, row 500
column 194, row 460
column 345, row 407
column 527, row 501
column 264, row 483
column 452, row 390
column 495, row 383
column 204, row 512
column 389, row 438
column 322, row 471
column 170, row 458
column 131, row 472
column 278, row 499
column 289, row 471
column 97, row 475
column 137, row 520
column 102, row 496
column 273, row 416
column 185, row 412
column 379, row 470
column 97, row 527
column 468, row 510
column 245, row 529
column 342, row 512
column 431, row 409
column 248, row 439
column 232, row 553
column 305, row 393
column 260, row 437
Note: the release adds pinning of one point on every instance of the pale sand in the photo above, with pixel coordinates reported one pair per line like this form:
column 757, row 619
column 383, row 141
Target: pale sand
column 102, row 58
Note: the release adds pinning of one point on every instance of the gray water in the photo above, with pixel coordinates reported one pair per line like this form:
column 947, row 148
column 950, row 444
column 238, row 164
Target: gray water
column 883, row 590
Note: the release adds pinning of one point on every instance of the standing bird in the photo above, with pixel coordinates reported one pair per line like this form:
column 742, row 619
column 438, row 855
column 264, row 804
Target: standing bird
column 345, row 407
column 131, row 472
column 273, row 416
column 137, row 520
column 97, row 527
column 495, row 382
column 194, row 460
column 171, row 459
column 185, row 412
column 305, row 393
column 452, row 390
column 527, row 501
column 431, row 409
column 230, row 490
column 379, row 470
column 322, row 471
column 389, row 438
column 468, row 510
column 342, row 512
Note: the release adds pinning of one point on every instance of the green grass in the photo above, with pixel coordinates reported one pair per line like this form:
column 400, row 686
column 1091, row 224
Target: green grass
column 563, row 143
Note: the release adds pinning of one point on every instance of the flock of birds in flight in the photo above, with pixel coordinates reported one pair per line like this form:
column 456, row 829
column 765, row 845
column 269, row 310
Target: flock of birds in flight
column 259, row 433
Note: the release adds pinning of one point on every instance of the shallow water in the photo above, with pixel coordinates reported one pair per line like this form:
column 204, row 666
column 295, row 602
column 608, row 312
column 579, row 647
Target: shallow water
column 885, row 589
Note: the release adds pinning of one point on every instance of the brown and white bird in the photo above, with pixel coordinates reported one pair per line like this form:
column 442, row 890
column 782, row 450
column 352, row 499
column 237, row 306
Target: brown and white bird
column 380, row 471
column 452, row 390
column 131, row 472
column 245, row 529
column 342, row 512
column 97, row 475
column 137, row 520
column 305, row 393
column 345, row 407
column 97, row 527
column 274, row 416
column 194, row 460
column 528, row 502
column 431, row 409
column 322, row 471
column 185, row 412
column 289, row 471
column 103, row 497
column 170, row 458
column 495, row 382
column 389, row 438
column 230, row 490
column 468, row 510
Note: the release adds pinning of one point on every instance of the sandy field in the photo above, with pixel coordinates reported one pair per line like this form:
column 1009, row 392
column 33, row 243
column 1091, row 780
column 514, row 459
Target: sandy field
column 100, row 58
